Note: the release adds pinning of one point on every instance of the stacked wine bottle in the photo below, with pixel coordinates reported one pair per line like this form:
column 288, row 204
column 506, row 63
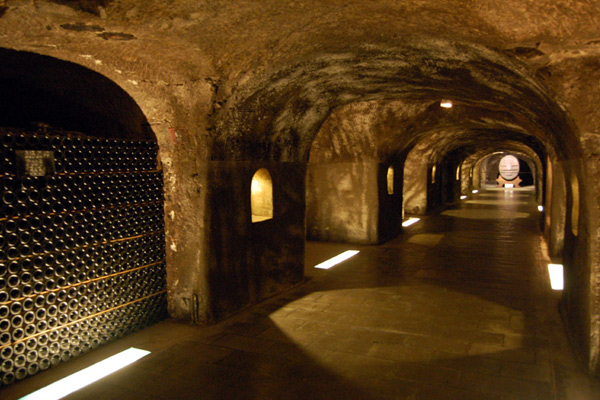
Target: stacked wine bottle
column 82, row 256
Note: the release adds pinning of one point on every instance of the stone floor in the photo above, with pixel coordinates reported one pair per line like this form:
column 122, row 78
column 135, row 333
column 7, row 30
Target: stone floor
column 457, row 307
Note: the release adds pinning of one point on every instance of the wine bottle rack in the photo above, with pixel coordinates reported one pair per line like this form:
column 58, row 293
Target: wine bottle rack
column 82, row 253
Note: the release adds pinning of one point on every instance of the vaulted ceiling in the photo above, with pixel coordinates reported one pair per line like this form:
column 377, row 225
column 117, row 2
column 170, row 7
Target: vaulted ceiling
column 259, row 79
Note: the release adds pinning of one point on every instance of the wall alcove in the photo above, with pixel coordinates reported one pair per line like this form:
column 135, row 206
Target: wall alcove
column 390, row 180
column 261, row 200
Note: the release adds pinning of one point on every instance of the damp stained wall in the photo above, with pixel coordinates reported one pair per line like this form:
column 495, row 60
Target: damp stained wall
column 415, row 183
column 346, row 188
column 342, row 202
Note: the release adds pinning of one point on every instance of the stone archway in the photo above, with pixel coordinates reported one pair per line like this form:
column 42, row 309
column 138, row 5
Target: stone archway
column 82, row 212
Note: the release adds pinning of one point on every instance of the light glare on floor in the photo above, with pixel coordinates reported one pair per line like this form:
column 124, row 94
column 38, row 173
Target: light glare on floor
column 463, row 197
column 556, row 276
column 337, row 259
column 410, row 221
column 475, row 191
column 540, row 208
column 78, row 380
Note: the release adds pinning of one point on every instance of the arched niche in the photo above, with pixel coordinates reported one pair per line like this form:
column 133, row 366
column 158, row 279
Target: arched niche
column 390, row 180
column 261, row 196
column 575, row 204
column 555, row 207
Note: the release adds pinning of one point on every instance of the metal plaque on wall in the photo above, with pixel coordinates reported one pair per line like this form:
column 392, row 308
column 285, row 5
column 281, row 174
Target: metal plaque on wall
column 35, row 162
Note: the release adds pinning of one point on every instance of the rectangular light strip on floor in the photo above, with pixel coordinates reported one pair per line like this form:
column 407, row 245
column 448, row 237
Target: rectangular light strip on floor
column 78, row 380
column 337, row 259
column 410, row 221
column 556, row 276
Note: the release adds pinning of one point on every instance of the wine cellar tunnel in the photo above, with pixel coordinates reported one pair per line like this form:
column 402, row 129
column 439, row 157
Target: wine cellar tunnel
column 178, row 161
column 82, row 259
column 463, row 168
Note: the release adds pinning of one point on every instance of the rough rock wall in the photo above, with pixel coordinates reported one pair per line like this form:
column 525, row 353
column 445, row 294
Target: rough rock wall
column 556, row 209
column 342, row 202
column 415, row 183
column 347, row 196
column 466, row 180
column 342, row 187
column 588, row 246
column 250, row 261
column 572, row 75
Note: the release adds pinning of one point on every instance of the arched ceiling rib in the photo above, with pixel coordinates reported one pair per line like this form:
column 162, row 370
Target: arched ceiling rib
column 519, row 149
column 474, row 141
column 472, row 145
column 387, row 130
column 278, row 118
column 272, row 71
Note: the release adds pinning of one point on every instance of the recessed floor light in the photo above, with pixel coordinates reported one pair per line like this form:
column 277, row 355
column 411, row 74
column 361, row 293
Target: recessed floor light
column 463, row 197
column 556, row 276
column 540, row 208
column 78, row 380
column 337, row 259
column 410, row 221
